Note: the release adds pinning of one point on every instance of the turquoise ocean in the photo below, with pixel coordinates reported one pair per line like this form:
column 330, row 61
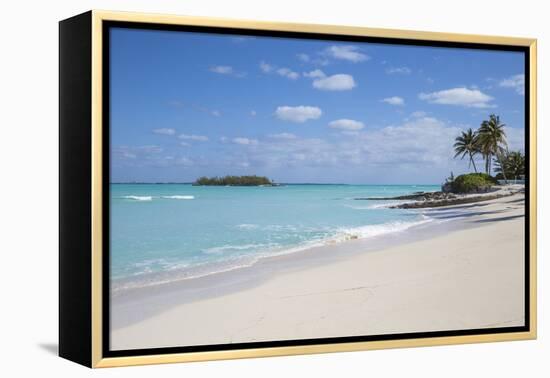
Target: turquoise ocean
column 184, row 231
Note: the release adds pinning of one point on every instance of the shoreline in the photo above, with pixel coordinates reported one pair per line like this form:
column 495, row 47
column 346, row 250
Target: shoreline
column 169, row 277
column 186, row 299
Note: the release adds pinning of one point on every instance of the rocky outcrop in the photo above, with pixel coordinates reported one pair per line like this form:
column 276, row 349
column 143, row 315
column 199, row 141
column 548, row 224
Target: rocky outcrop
column 420, row 200
column 418, row 196
column 448, row 201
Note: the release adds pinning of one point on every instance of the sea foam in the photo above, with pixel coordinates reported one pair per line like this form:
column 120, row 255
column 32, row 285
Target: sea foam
column 243, row 247
column 387, row 205
column 248, row 255
column 150, row 198
column 377, row 229
column 139, row 198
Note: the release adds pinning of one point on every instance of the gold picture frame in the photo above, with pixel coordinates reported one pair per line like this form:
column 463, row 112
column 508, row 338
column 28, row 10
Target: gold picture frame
column 90, row 329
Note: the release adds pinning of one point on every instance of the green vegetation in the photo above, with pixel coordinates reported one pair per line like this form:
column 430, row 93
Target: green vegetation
column 472, row 183
column 489, row 141
column 492, row 141
column 513, row 166
column 235, row 181
column 467, row 144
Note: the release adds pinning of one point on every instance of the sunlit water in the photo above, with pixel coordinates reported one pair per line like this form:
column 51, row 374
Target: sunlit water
column 198, row 230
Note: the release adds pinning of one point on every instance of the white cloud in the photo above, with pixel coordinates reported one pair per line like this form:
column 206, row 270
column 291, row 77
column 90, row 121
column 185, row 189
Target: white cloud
column 136, row 152
column 419, row 148
column 198, row 107
column 515, row 138
column 517, row 82
column 315, row 74
column 346, row 124
column 321, row 62
column 303, row 57
column 198, row 138
column 395, row 100
column 265, row 67
column 288, row 73
column 418, row 114
column 298, row 114
column 177, row 103
column 281, row 71
column 123, row 153
column 244, row 141
column 223, row 70
column 422, row 140
column 338, row 82
column 184, row 144
column 227, row 70
column 165, row 131
column 470, row 98
column 398, row 70
column 414, row 146
column 282, row 136
column 349, row 53
column 253, row 113
column 183, row 161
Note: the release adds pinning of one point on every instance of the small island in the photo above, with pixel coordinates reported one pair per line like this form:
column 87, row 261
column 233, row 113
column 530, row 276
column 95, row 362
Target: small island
column 234, row 181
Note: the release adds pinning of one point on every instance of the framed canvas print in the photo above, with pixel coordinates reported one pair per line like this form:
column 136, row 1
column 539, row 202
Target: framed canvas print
column 236, row 189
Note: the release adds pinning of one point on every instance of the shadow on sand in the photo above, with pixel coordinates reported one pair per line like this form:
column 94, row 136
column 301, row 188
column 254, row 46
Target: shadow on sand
column 499, row 219
column 464, row 215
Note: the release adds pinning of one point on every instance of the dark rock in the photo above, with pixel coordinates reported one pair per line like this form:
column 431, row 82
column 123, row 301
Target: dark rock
column 446, row 188
column 449, row 201
column 437, row 199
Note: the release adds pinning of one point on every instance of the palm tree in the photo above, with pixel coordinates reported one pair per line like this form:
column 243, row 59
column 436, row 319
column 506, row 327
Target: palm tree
column 492, row 141
column 514, row 165
column 467, row 144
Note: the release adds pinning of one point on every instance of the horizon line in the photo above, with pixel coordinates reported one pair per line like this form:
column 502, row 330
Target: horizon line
column 281, row 183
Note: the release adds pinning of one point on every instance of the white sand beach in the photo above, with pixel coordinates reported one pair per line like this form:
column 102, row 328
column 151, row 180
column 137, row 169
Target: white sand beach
column 462, row 274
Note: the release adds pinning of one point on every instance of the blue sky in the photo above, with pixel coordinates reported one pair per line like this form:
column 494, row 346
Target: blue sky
column 185, row 105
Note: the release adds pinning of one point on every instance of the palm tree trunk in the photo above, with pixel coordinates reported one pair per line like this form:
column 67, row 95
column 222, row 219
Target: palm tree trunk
column 499, row 157
column 473, row 163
